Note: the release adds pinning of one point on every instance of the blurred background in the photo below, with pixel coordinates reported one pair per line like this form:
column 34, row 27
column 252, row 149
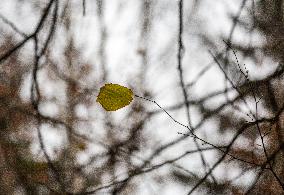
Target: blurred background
column 216, row 67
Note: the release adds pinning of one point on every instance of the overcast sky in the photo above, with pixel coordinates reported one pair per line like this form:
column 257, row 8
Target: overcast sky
column 123, row 25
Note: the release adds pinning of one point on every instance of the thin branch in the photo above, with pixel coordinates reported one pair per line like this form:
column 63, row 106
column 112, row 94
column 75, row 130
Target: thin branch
column 199, row 75
column 35, row 91
column 84, row 7
column 231, row 82
column 239, row 132
column 13, row 26
column 225, row 152
column 52, row 29
column 31, row 36
column 141, row 170
column 192, row 134
column 184, row 91
column 179, row 59
column 256, row 119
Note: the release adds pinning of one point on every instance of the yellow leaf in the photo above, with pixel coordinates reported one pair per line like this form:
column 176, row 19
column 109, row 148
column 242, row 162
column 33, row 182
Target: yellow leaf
column 113, row 96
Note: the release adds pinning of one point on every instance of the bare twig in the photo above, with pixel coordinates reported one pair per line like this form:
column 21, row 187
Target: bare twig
column 13, row 26
column 84, row 7
column 31, row 36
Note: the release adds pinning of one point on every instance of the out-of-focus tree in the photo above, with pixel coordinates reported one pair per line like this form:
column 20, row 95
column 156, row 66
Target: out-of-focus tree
column 266, row 18
column 49, row 84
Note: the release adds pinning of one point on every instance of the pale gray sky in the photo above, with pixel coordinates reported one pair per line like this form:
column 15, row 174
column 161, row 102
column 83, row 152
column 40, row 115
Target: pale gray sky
column 123, row 63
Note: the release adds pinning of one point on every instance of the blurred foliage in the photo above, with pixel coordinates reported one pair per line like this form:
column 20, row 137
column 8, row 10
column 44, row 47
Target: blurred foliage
column 126, row 152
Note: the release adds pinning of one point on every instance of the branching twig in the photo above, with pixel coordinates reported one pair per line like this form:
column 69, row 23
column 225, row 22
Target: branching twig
column 180, row 54
column 31, row 36
column 13, row 26
column 192, row 134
